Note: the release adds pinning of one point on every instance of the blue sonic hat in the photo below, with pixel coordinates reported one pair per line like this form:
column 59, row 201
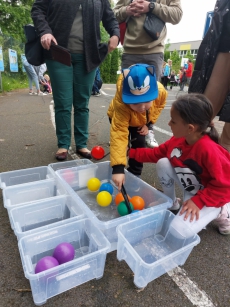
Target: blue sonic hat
column 139, row 84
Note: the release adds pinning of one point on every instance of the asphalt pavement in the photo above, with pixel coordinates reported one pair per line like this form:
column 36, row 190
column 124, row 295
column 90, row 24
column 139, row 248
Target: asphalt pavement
column 27, row 139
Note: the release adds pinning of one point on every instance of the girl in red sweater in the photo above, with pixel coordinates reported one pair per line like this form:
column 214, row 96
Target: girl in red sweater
column 194, row 160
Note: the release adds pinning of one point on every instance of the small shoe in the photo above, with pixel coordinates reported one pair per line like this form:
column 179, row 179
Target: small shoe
column 176, row 204
column 86, row 155
column 97, row 94
column 223, row 220
column 61, row 156
column 42, row 94
column 150, row 140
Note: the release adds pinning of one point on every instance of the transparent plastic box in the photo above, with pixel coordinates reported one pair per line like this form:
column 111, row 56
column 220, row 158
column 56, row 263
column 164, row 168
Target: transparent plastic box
column 30, row 192
column 151, row 247
column 90, row 246
column 25, row 175
column 44, row 215
column 69, row 164
column 107, row 218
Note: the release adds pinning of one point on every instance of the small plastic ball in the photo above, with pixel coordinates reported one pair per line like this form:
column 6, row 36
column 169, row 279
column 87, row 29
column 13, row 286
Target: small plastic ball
column 97, row 152
column 46, row 263
column 138, row 202
column 93, row 184
column 68, row 176
column 106, row 187
column 134, row 211
column 104, row 198
column 119, row 198
column 122, row 209
column 64, row 252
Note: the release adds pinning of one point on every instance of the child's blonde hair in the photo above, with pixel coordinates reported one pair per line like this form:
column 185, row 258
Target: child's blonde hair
column 47, row 77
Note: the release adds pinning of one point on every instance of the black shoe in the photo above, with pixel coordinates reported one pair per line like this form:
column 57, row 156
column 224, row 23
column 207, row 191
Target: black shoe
column 86, row 155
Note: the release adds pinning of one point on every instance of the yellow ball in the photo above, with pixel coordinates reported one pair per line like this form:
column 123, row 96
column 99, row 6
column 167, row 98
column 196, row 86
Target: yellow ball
column 93, row 184
column 104, row 198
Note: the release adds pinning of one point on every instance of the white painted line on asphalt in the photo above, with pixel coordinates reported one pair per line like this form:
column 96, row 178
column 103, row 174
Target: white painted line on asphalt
column 194, row 294
column 104, row 93
column 52, row 117
column 162, row 130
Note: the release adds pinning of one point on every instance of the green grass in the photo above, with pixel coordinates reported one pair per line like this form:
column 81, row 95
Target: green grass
column 11, row 83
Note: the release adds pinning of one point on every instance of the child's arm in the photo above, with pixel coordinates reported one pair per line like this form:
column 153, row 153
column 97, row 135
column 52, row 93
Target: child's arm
column 159, row 103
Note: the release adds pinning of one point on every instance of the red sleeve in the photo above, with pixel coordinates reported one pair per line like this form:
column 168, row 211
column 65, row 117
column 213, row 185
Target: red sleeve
column 151, row 155
column 217, row 191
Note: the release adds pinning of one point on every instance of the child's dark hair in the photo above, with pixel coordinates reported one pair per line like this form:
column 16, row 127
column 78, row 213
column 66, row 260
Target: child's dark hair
column 197, row 109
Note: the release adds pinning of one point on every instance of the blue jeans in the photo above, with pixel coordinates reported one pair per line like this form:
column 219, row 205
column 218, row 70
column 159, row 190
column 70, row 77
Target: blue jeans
column 72, row 86
column 32, row 76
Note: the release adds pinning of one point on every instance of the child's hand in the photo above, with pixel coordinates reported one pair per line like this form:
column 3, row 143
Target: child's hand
column 190, row 208
column 118, row 179
column 144, row 130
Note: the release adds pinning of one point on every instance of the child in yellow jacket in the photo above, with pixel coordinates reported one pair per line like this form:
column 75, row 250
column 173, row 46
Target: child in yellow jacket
column 137, row 104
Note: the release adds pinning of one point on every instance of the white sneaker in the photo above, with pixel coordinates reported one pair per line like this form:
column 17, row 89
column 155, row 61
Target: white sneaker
column 150, row 140
column 42, row 94
column 176, row 204
column 223, row 220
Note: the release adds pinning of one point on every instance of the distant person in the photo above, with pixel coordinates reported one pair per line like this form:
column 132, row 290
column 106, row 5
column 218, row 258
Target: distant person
column 211, row 75
column 189, row 70
column 139, row 46
column 167, row 72
column 172, row 79
column 46, row 84
column 138, row 102
column 194, row 161
column 97, row 83
column 183, row 79
column 32, row 77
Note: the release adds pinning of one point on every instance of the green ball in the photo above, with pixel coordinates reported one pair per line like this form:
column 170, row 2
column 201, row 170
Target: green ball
column 122, row 209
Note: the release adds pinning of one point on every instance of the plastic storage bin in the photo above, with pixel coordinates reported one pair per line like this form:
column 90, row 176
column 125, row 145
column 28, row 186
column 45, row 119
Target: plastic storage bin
column 44, row 215
column 69, row 164
column 30, row 192
column 90, row 246
column 25, row 175
column 107, row 218
column 151, row 247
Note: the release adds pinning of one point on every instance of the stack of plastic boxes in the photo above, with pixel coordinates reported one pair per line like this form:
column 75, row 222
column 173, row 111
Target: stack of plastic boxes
column 51, row 205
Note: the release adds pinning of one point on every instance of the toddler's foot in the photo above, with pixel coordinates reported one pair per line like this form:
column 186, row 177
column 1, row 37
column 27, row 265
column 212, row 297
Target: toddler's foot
column 176, row 204
column 223, row 220
column 150, row 139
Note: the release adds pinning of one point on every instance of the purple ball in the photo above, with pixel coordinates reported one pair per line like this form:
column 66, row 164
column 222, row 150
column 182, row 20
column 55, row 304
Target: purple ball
column 46, row 263
column 64, row 252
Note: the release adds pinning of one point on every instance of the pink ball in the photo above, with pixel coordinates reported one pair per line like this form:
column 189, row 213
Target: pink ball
column 45, row 263
column 64, row 252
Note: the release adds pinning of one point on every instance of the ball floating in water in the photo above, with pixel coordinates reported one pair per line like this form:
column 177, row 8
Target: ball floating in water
column 104, row 198
column 106, row 187
column 119, row 198
column 46, row 263
column 138, row 202
column 122, row 208
column 97, row 152
column 64, row 252
column 93, row 184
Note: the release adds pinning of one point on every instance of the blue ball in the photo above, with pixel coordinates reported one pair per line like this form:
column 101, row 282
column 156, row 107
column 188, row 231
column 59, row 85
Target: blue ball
column 106, row 187
column 135, row 211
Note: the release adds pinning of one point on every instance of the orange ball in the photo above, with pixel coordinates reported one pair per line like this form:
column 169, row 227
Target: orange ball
column 119, row 198
column 138, row 202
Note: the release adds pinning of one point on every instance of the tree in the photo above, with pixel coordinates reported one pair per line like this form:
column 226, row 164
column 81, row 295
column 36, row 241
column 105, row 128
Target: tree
column 176, row 61
column 105, row 69
column 114, row 66
column 14, row 14
column 166, row 51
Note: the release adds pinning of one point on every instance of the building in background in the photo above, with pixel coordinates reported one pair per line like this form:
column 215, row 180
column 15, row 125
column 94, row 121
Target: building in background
column 183, row 47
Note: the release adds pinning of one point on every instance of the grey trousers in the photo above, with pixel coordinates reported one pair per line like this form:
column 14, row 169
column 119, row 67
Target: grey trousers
column 155, row 59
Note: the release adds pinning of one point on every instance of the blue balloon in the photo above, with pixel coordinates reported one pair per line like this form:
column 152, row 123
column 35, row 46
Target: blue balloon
column 106, row 187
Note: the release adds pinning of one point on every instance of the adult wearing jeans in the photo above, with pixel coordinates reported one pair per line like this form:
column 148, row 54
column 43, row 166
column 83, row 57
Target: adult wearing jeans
column 74, row 24
column 138, row 46
column 32, row 77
